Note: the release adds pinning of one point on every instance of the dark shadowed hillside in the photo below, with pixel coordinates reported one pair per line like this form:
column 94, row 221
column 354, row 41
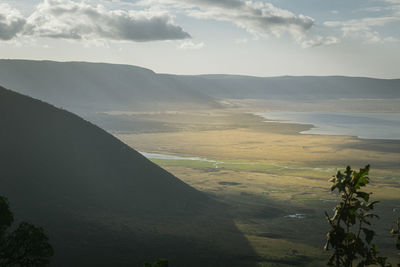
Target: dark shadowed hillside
column 101, row 202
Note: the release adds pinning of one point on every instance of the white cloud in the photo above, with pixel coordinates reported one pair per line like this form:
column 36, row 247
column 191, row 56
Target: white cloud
column 320, row 41
column 392, row 1
column 361, row 24
column 392, row 6
column 11, row 22
column 190, row 45
column 78, row 20
column 364, row 28
column 367, row 29
column 373, row 37
column 374, row 9
column 258, row 18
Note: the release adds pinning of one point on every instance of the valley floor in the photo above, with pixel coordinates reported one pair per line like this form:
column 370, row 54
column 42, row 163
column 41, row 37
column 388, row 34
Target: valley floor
column 275, row 180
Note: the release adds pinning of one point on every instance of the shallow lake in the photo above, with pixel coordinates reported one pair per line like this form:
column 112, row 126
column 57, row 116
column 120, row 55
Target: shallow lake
column 173, row 157
column 362, row 125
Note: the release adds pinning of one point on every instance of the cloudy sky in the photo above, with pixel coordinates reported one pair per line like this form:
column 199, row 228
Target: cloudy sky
column 253, row 37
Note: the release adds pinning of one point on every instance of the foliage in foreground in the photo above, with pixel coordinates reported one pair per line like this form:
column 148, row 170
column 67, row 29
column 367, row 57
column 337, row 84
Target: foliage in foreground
column 25, row 246
column 157, row 263
column 396, row 234
column 351, row 235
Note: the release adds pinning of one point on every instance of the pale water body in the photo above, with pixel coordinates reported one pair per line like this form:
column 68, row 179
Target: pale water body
column 362, row 125
column 173, row 157
column 296, row 216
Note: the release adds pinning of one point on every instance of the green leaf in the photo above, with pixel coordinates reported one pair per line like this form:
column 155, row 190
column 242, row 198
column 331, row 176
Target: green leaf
column 161, row 263
column 351, row 212
column 363, row 195
column 350, row 236
column 369, row 234
column 371, row 205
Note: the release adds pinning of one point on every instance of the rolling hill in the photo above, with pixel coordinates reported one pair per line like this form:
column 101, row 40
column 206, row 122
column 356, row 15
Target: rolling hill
column 101, row 202
column 80, row 86
column 83, row 87
column 297, row 87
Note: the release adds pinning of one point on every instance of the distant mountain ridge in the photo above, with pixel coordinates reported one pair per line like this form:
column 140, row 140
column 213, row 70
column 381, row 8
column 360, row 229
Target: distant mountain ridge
column 101, row 202
column 79, row 86
column 96, row 86
column 303, row 87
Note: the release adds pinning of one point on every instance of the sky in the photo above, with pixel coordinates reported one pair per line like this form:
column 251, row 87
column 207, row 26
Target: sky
column 248, row 37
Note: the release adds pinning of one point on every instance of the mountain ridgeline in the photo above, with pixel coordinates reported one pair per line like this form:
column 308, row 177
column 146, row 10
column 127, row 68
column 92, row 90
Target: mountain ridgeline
column 101, row 202
column 81, row 87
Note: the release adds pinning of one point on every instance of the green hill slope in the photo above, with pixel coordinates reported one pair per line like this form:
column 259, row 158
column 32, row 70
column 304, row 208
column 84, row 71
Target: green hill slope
column 101, row 202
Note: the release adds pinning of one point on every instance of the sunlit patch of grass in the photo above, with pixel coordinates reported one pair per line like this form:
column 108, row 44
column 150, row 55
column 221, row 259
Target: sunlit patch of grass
column 249, row 166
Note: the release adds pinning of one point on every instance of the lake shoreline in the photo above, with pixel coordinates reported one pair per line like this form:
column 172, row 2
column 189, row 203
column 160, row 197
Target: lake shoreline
column 335, row 128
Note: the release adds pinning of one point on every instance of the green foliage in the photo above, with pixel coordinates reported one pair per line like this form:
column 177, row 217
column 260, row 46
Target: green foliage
column 157, row 263
column 396, row 234
column 350, row 235
column 25, row 246
column 6, row 216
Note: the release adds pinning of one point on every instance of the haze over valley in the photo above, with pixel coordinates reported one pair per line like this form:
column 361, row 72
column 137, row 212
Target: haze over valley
column 265, row 170
column 176, row 133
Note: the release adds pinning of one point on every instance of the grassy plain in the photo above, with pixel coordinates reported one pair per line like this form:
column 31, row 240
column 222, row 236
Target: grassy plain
column 274, row 180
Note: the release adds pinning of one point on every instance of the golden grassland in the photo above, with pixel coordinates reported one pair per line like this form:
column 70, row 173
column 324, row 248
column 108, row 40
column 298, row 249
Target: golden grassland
column 242, row 136
column 266, row 171
column 252, row 145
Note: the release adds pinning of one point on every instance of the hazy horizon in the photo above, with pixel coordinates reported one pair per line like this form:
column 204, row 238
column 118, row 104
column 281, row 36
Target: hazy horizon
column 196, row 74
